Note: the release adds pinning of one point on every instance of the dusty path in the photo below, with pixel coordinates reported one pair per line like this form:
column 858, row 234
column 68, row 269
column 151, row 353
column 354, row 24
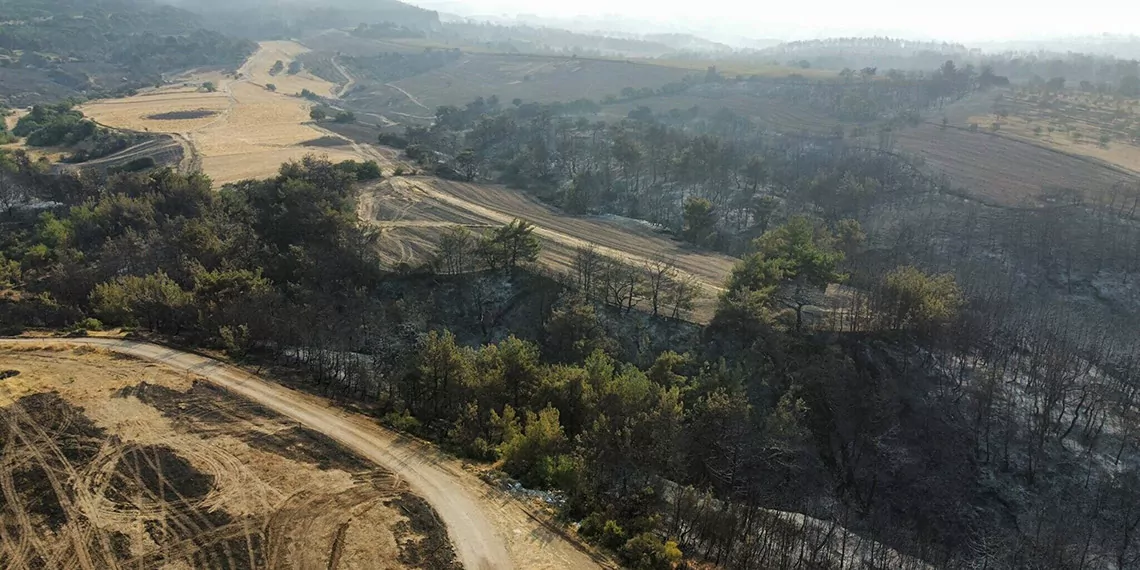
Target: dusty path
column 490, row 531
column 631, row 242
column 410, row 97
column 350, row 81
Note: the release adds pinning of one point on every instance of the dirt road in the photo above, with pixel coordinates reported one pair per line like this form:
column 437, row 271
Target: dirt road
column 490, row 531
column 350, row 81
column 410, row 97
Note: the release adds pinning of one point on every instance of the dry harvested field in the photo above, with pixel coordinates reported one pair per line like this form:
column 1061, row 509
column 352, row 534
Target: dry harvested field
column 112, row 462
column 772, row 113
column 530, row 78
column 1001, row 170
column 412, row 212
column 244, row 130
column 340, row 41
column 1104, row 127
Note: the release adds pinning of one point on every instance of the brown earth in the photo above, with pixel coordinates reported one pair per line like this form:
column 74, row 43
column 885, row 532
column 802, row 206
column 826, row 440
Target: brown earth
column 1001, row 170
column 1071, row 122
column 258, row 473
column 256, row 130
column 414, row 211
column 531, row 78
column 113, row 462
column 252, row 130
column 13, row 118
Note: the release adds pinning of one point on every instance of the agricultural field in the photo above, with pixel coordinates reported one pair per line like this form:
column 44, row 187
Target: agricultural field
column 113, row 462
column 327, row 42
column 245, row 131
column 529, row 78
column 1002, row 170
column 412, row 212
column 773, row 113
column 241, row 129
column 1104, row 127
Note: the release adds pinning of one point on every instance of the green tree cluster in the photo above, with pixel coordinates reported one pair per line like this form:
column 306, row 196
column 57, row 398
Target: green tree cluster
column 792, row 263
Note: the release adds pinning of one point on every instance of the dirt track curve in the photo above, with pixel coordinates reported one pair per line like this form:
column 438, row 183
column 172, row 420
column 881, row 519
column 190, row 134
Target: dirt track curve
column 489, row 531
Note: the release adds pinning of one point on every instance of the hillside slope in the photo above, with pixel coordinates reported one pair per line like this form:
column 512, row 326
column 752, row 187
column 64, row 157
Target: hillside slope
column 54, row 49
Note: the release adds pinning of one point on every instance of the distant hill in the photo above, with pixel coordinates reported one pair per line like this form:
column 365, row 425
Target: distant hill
column 258, row 19
column 854, row 53
column 1120, row 46
column 523, row 38
column 52, row 49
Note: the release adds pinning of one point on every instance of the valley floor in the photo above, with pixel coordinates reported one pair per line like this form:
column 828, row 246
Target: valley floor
column 249, row 131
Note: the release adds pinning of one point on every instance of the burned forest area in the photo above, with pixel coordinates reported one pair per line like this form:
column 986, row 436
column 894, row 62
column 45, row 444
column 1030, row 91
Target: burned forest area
column 345, row 284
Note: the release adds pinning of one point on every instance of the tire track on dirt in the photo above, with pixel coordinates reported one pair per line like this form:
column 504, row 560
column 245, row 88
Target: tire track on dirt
column 570, row 232
column 489, row 530
column 350, row 81
column 410, row 97
column 35, row 439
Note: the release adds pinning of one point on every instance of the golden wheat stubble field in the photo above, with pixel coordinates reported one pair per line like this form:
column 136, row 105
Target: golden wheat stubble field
column 1104, row 127
column 242, row 130
column 112, row 462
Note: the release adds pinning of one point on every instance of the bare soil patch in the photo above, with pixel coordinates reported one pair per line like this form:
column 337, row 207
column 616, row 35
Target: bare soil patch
column 1105, row 127
column 250, row 130
column 115, row 462
column 415, row 212
column 1001, row 170
column 530, row 78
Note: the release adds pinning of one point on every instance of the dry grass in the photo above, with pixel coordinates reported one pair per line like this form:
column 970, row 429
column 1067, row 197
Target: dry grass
column 11, row 120
column 1102, row 127
column 732, row 68
column 529, row 78
column 257, row 67
column 1000, row 169
column 254, row 131
column 413, row 212
column 133, row 113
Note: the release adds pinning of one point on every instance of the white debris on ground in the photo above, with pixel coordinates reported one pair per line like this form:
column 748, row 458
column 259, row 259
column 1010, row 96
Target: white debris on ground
column 516, row 489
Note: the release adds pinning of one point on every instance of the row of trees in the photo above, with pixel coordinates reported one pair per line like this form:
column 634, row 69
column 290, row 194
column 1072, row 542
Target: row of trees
column 62, row 125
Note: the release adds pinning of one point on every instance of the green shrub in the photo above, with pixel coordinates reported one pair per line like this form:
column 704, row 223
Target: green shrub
column 237, row 340
column 592, row 526
column 533, row 456
column 10, row 273
column 612, row 536
column 368, row 170
column 91, row 324
column 647, row 552
column 401, row 421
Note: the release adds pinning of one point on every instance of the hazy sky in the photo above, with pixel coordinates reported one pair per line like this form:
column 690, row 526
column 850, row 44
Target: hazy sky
column 960, row 20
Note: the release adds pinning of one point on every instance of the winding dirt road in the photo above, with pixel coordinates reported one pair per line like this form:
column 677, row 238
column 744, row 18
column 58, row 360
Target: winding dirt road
column 490, row 530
